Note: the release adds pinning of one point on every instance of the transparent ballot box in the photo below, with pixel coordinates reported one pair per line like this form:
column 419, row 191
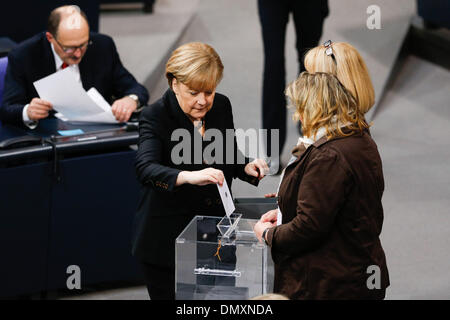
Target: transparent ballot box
column 221, row 259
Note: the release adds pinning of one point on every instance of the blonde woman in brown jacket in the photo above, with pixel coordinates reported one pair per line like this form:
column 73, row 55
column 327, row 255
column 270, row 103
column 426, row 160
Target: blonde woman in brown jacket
column 327, row 245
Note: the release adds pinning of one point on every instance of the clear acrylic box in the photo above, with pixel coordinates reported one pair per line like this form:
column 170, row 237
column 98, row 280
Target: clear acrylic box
column 221, row 259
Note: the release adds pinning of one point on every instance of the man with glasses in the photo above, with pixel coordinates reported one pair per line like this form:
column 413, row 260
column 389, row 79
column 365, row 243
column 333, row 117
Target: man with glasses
column 91, row 57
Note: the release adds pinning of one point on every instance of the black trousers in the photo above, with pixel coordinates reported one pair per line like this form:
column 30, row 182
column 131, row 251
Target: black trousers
column 160, row 281
column 274, row 15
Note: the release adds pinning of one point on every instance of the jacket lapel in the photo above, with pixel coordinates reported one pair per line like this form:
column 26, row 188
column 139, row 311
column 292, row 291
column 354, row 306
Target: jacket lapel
column 87, row 69
column 48, row 61
column 175, row 110
column 85, row 75
column 300, row 152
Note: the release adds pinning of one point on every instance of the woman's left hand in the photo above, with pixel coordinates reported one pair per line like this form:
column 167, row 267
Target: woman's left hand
column 257, row 168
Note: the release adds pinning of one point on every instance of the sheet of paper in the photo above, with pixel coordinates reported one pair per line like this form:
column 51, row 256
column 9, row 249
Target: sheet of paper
column 99, row 100
column 71, row 100
column 107, row 115
column 227, row 200
column 102, row 117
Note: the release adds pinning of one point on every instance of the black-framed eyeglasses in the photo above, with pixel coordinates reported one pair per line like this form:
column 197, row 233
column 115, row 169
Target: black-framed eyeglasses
column 329, row 49
column 70, row 50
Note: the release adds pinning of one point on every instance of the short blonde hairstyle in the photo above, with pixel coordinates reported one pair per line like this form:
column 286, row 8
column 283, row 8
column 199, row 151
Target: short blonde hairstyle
column 196, row 65
column 322, row 101
column 348, row 66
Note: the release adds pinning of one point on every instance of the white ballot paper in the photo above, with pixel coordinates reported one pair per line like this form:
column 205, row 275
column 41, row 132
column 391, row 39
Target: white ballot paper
column 227, row 200
column 71, row 100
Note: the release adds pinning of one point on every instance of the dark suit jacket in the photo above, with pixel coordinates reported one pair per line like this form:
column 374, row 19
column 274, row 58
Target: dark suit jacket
column 330, row 199
column 33, row 59
column 164, row 209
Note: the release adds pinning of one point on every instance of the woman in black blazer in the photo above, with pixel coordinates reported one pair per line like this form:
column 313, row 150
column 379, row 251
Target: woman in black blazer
column 179, row 183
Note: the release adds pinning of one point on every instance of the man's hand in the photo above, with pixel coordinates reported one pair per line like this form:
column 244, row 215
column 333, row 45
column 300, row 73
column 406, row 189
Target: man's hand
column 123, row 108
column 38, row 109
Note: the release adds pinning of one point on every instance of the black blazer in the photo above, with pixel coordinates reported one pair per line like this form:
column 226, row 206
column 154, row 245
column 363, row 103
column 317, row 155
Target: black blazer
column 164, row 209
column 33, row 59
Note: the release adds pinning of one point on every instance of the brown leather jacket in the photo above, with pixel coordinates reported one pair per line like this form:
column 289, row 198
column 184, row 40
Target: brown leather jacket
column 330, row 199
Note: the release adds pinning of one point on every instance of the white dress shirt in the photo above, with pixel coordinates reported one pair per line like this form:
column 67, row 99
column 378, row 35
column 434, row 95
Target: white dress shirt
column 58, row 66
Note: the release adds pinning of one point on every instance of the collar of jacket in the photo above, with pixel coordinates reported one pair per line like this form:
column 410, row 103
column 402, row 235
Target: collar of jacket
column 299, row 150
column 180, row 117
column 175, row 110
column 346, row 130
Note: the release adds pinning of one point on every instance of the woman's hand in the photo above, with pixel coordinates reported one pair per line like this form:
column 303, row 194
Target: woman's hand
column 201, row 177
column 267, row 220
column 260, row 227
column 270, row 195
column 257, row 168
column 270, row 216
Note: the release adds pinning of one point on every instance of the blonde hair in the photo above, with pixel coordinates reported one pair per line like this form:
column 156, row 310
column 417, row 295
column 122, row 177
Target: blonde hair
column 196, row 65
column 322, row 101
column 348, row 66
column 270, row 296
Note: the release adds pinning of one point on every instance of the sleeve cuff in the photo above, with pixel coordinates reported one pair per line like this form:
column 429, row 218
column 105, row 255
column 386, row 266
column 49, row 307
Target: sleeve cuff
column 29, row 123
column 269, row 236
column 250, row 179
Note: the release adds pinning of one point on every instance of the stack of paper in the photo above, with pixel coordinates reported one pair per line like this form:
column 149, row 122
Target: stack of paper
column 71, row 101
